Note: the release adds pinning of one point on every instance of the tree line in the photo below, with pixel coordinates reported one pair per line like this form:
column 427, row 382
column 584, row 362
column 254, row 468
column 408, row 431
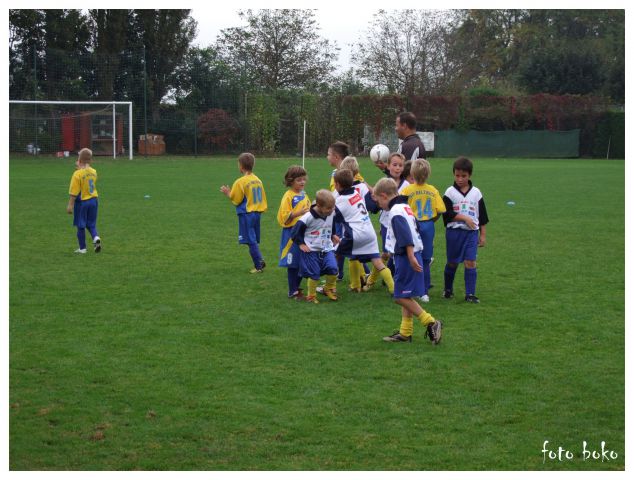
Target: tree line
column 106, row 53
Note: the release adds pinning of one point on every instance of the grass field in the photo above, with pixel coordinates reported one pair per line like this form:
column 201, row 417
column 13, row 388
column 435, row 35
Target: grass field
column 163, row 353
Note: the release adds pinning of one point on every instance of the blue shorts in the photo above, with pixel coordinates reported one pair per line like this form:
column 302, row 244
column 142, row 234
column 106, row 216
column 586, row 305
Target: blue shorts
column 461, row 244
column 383, row 235
column 289, row 250
column 365, row 258
column 249, row 228
column 408, row 282
column 87, row 217
column 427, row 231
column 76, row 212
column 315, row 264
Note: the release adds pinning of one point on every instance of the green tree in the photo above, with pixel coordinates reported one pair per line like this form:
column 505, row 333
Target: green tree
column 278, row 49
column 39, row 45
column 166, row 36
column 109, row 44
column 204, row 81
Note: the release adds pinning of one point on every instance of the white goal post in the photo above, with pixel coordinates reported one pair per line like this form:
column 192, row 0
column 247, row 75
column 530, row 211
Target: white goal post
column 102, row 103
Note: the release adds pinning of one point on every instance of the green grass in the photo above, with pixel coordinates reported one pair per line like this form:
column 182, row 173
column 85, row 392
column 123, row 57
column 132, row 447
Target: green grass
column 163, row 353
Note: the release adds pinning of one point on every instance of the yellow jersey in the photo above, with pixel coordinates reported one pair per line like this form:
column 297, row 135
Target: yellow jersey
column 357, row 177
column 424, row 200
column 84, row 183
column 292, row 202
column 247, row 194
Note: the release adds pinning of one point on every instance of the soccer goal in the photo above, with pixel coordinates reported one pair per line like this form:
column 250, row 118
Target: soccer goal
column 61, row 127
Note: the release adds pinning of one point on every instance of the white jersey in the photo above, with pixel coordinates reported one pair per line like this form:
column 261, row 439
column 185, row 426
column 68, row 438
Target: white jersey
column 359, row 237
column 383, row 216
column 465, row 204
column 406, row 230
column 314, row 231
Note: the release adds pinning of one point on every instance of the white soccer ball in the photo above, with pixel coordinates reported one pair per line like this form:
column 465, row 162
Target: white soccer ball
column 379, row 153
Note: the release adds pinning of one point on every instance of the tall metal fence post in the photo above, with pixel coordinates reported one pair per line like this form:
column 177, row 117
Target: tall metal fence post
column 35, row 148
column 145, row 97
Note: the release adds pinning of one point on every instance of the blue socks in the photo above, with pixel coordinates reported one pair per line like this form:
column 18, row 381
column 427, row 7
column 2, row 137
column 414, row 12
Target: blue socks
column 450, row 274
column 81, row 237
column 294, row 280
column 470, row 277
column 340, row 260
column 256, row 256
column 427, row 274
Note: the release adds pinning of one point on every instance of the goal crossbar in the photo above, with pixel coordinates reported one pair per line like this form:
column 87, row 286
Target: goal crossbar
column 88, row 102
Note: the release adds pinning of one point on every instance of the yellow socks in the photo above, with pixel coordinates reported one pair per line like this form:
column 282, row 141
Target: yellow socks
column 356, row 270
column 331, row 282
column 386, row 275
column 425, row 318
column 407, row 326
column 312, row 287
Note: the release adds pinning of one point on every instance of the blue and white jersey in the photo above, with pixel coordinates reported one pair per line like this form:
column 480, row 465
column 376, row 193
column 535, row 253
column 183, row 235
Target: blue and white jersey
column 470, row 204
column 383, row 216
column 402, row 229
column 359, row 237
column 315, row 231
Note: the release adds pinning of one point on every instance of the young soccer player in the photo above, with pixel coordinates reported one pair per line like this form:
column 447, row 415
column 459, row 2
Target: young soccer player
column 427, row 205
column 294, row 204
column 83, row 201
column 396, row 165
column 337, row 152
column 403, row 241
column 465, row 221
column 359, row 242
column 314, row 234
column 249, row 198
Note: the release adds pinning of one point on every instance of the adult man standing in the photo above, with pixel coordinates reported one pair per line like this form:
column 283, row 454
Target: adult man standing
column 412, row 146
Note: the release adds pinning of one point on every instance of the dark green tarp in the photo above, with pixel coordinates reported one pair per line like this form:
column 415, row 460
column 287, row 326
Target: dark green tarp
column 509, row 143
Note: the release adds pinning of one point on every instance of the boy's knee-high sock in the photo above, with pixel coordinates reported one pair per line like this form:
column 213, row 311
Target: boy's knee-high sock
column 331, row 282
column 470, row 277
column 256, row 256
column 427, row 274
column 93, row 232
column 426, row 318
column 355, row 270
column 340, row 261
column 312, row 287
column 407, row 326
column 450, row 274
column 81, row 237
column 293, row 280
column 386, row 275
column 390, row 264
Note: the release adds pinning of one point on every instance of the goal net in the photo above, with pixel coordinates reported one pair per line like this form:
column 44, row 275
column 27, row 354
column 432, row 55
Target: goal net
column 64, row 127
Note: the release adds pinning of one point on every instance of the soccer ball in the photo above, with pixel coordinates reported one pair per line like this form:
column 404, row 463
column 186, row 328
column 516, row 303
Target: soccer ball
column 379, row 153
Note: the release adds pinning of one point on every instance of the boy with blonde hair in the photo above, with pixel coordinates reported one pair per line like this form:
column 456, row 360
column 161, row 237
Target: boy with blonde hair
column 427, row 205
column 403, row 241
column 83, row 201
column 248, row 196
column 314, row 233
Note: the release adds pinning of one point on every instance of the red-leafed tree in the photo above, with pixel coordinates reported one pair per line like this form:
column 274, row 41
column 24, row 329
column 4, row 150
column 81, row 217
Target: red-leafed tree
column 217, row 128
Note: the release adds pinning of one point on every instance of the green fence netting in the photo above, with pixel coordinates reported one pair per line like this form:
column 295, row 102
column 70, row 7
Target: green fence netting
column 526, row 143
